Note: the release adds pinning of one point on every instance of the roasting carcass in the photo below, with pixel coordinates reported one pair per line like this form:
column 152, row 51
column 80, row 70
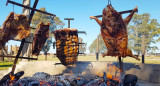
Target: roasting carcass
column 67, row 45
column 114, row 32
column 15, row 27
column 40, row 37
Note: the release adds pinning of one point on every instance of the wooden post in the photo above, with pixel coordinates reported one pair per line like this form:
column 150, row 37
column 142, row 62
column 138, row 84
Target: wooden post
column 45, row 53
column 97, row 52
column 11, row 50
column 26, row 11
column 6, row 50
column 80, row 41
column 16, row 49
column 143, row 48
column 26, row 45
column 120, row 64
column 46, row 56
column 11, row 53
column 1, row 53
column 29, row 50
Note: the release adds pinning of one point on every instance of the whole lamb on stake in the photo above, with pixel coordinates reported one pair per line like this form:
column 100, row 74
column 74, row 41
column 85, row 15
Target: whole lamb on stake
column 114, row 32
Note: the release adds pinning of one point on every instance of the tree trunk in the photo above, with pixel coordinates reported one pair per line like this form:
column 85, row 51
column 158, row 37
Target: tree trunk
column 143, row 48
column 6, row 50
column 45, row 56
column 26, row 47
column 1, row 53
column 11, row 53
column 97, row 52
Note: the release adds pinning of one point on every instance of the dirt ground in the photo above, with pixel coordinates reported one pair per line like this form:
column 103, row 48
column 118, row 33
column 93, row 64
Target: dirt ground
column 88, row 68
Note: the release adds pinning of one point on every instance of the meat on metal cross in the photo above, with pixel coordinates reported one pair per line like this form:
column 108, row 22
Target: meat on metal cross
column 68, row 21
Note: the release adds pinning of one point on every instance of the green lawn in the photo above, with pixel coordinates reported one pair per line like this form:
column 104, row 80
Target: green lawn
column 5, row 65
column 148, row 60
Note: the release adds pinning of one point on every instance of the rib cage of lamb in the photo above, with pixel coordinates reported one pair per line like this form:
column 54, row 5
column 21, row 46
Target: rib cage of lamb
column 67, row 45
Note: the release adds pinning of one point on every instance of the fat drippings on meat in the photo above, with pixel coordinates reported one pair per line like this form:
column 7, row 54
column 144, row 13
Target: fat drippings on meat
column 67, row 45
column 114, row 32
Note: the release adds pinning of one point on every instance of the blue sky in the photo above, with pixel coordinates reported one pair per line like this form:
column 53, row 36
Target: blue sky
column 80, row 10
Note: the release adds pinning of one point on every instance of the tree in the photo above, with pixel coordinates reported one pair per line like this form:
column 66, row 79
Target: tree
column 55, row 23
column 142, row 25
column 46, row 46
column 102, row 47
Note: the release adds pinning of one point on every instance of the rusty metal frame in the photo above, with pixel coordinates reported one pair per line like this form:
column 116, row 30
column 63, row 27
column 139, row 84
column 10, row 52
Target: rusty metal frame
column 23, row 40
column 21, row 5
column 121, row 12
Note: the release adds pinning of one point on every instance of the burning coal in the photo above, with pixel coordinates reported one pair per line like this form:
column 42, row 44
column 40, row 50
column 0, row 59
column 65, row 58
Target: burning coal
column 113, row 77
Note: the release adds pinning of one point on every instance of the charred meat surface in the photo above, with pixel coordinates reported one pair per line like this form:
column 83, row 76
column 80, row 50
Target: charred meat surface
column 15, row 27
column 114, row 32
column 67, row 45
column 40, row 37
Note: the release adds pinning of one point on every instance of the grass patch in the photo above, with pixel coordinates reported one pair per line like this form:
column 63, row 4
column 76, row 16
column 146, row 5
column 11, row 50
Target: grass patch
column 148, row 60
column 5, row 65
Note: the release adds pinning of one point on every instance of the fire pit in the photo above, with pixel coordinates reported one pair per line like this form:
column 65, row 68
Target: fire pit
column 73, row 77
column 44, row 79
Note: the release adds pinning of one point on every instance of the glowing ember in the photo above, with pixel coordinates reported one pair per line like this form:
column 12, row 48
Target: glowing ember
column 113, row 73
column 12, row 77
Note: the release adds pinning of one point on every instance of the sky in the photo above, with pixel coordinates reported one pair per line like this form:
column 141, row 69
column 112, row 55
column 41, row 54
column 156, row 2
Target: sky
column 80, row 10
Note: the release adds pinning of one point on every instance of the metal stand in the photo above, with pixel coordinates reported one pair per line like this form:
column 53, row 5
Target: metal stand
column 68, row 21
column 122, row 12
column 121, row 64
column 23, row 40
